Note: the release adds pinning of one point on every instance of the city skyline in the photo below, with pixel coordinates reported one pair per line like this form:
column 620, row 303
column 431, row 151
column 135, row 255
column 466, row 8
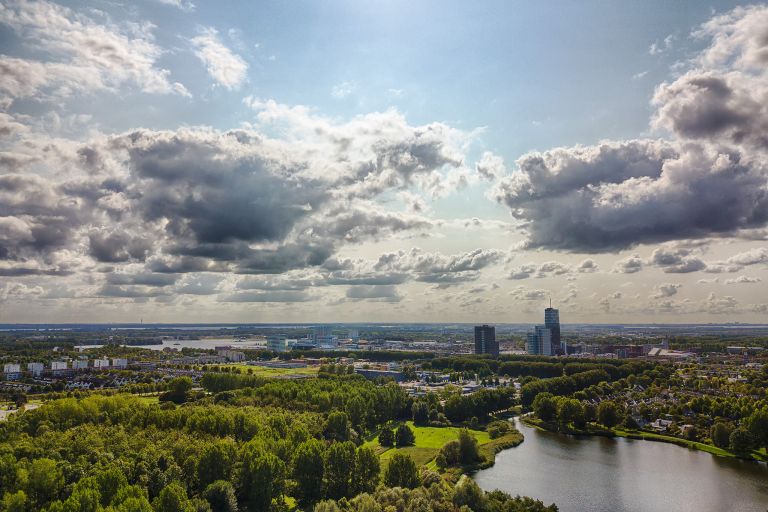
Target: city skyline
column 272, row 162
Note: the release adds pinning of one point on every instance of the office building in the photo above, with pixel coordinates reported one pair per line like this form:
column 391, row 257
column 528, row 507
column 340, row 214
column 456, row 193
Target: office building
column 277, row 343
column 485, row 340
column 36, row 369
column 539, row 341
column 552, row 322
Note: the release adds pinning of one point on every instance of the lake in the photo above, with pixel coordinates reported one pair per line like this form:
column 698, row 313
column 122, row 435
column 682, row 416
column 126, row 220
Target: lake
column 598, row 474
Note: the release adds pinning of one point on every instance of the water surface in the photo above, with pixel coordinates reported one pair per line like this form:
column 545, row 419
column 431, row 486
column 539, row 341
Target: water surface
column 598, row 474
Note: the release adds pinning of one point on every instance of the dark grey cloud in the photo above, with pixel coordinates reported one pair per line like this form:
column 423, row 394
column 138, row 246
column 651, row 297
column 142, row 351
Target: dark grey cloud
column 267, row 296
column 144, row 279
column 118, row 247
column 678, row 261
column 381, row 293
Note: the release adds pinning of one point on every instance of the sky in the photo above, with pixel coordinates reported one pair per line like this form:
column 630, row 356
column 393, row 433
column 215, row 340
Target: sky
column 345, row 161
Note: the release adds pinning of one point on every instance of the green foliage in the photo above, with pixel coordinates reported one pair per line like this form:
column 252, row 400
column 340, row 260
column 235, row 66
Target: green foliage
column 365, row 477
column 545, row 406
column 221, row 496
column 741, row 441
column 401, row 472
column 404, row 436
column 721, row 435
column 339, row 459
column 173, row 499
column 337, row 427
column 386, row 437
column 309, row 470
column 420, row 413
column 608, row 414
column 498, row 428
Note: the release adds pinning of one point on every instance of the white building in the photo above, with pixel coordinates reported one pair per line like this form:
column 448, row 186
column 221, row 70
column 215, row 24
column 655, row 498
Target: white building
column 101, row 364
column 12, row 371
column 80, row 364
column 58, row 366
column 120, row 363
column 36, row 369
column 277, row 343
column 232, row 355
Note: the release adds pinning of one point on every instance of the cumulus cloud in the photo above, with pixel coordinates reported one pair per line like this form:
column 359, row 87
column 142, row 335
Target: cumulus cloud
column 547, row 269
column 666, row 290
column 743, row 280
column 677, row 261
column 710, row 179
column 439, row 268
column 76, row 54
column 629, row 265
column 226, row 67
column 490, row 166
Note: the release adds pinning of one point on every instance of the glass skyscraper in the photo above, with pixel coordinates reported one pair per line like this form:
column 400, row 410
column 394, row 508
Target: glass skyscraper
column 485, row 340
column 552, row 322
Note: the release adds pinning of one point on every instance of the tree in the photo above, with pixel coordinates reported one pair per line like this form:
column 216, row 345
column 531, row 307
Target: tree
column 386, row 437
column 339, row 459
column 420, row 412
column 337, row 427
column 173, row 499
column 45, row 480
column 216, row 462
column 262, row 477
column 177, row 390
column 357, row 411
column 721, row 435
column 468, row 450
column 221, row 496
column 366, row 474
column 401, row 472
column 469, row 494
column 757, row 424
column 545, row 406
column 608, row 414
column 308, row 471
column 404, row 436
column 16, row 502
column 569, row 411
column 741, row 441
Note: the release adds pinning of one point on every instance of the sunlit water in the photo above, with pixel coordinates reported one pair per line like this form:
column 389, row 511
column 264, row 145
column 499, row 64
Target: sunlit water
column 597, row 474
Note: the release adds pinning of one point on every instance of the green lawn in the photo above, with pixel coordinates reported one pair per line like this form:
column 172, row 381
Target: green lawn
column 429, row 440
column 274, row 372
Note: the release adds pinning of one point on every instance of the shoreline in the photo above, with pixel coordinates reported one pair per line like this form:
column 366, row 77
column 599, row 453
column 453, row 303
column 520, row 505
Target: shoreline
column 640, row 435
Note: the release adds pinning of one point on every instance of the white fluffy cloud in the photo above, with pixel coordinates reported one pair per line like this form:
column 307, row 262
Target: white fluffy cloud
column 226, row 67
column 710, row 179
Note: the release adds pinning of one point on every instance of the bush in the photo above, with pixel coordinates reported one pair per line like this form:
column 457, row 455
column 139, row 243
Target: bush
column 496, row 429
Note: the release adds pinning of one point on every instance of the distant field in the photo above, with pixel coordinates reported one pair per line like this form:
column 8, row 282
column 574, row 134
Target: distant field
column 429, row 440
column 274, row 372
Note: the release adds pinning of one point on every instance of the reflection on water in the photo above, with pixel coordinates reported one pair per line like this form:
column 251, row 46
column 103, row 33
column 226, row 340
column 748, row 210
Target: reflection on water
column 599, row 474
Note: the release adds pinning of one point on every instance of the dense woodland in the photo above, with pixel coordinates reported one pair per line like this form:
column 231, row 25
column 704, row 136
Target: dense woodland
column 249, row 443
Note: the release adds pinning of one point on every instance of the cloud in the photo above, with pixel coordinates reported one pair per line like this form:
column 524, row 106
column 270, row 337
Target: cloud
column 587, row 266
column 751, row 257
column 438, row 268
column 629, row 265
column 382, row 293
column 666, row 290
column 226, row 67
column 676, row 262
column 490, row 166
column 663, row 46
column 546, row 269
column 75, row 54
column 267, row 296
column 743, row 280
column 708, row 180
column 184, row 5
column 344, row 89
column 522, row 293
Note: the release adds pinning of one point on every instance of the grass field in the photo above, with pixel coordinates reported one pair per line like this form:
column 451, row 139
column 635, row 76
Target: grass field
column 274, row 372
column 429, row 440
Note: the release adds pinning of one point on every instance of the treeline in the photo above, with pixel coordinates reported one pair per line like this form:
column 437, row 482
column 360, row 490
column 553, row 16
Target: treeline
column 541, row 367
column 562, row 385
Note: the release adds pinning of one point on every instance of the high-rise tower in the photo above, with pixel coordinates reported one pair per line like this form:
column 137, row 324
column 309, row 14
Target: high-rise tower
column 485, row 340
column 552, row 322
